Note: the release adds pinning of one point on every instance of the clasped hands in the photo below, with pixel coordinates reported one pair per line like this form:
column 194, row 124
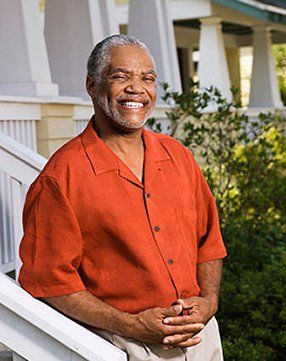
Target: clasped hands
column 174, row 326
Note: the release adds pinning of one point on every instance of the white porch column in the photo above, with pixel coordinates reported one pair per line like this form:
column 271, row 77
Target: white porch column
column 24, row 67
column 264, row 85
column 72, row 28
column 151, row 22
column 213, row 70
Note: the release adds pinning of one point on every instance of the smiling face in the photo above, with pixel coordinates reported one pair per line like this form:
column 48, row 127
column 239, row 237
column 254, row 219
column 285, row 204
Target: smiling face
column 127, row 93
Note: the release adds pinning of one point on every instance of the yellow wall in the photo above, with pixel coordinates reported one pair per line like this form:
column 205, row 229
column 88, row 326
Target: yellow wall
column 233, row 61
column 246, row 58
column 122, row 1
column 55, row 128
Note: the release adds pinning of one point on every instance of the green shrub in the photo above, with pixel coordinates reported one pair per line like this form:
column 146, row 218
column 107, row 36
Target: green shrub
column 244, row 161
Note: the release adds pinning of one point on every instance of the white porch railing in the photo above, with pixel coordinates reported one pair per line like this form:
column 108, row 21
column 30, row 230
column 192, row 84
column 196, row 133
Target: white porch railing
column 30, row 328
column 79, row 125
column 18, row 121
column 24, row 131
column 18, row 117
column 35, row 331
column 81, row 116
column 19, row 166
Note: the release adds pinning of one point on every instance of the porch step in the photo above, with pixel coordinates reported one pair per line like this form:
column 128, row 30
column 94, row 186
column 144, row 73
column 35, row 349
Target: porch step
column 6, row 356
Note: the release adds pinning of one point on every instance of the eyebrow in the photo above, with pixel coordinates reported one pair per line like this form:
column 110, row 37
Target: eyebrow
column 121, row 70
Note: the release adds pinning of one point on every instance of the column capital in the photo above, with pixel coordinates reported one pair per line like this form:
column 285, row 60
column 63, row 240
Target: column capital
column 261, row 29
column 213, row 20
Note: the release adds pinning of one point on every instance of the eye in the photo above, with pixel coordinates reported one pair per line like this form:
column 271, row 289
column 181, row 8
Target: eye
column 149, row 79
column 119, row 76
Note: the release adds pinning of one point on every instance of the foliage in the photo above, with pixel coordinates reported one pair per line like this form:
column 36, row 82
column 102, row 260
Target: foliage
column 244, row 161
column 280, row 62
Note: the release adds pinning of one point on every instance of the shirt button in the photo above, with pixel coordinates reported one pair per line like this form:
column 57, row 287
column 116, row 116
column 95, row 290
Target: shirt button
column 170, row 261
column 157, row 228
column 148, row 195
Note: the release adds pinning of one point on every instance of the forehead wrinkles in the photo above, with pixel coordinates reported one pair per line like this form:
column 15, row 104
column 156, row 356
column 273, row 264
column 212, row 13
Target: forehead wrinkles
column 130, row 56
column 121, row 56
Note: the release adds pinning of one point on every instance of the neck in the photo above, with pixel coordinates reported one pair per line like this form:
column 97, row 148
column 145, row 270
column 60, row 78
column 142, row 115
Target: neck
column 118, row 140
column 127, row 145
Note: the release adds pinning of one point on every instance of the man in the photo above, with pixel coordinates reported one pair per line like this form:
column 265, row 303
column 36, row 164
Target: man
column 120, row 229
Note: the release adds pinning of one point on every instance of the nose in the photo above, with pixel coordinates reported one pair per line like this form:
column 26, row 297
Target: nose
column 135, row 86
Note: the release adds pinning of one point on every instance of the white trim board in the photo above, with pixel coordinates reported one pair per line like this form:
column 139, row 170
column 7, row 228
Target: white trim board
column 36, row 331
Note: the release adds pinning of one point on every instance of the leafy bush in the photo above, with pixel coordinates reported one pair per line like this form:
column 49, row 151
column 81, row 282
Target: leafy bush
column 244, row 161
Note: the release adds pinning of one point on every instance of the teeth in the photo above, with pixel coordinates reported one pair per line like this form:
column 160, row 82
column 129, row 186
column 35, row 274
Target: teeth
column 132, row 104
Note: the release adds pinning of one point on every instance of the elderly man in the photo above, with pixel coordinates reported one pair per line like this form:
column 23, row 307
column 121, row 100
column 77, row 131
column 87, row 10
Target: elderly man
column 121, row 231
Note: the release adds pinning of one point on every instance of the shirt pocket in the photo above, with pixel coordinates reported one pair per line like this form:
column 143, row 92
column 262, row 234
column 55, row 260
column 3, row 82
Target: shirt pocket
column 187, row 225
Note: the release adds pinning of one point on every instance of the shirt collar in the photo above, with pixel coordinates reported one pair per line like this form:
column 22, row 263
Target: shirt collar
column 153, row 147
column 103, row 159
column 99, row 154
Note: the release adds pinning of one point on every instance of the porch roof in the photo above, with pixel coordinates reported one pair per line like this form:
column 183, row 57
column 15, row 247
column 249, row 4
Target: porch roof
column 273, row 11
column 278, row 3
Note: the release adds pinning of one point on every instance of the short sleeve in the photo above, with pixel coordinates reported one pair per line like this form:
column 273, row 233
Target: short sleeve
column 210, row 241
column 51, row 248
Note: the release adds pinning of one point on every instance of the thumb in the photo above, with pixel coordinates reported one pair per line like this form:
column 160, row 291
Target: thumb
column 187, row 303
column 173, row 310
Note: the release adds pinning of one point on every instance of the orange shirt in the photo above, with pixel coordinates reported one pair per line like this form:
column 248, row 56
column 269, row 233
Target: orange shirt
column 89, row 223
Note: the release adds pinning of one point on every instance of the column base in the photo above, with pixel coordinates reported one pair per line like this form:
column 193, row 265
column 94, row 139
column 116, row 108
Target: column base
column 257, row 104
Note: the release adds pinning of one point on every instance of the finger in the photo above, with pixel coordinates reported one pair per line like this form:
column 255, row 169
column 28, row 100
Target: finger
column 165, row 347
column 175, row 340
column 189, row 303
column 183, row 329
column 173, row 310
column 181, row 320
column 172, row 340
column 190, row 342
column 180, row 301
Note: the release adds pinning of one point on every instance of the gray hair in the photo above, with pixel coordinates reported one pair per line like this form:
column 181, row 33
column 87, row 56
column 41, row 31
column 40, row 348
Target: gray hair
column 100, row 55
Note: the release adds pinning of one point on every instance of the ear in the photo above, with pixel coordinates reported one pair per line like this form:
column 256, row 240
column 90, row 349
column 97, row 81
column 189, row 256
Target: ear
column 90, row 86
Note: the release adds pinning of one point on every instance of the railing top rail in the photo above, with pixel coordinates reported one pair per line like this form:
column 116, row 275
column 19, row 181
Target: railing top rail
column 21, row 152
column 47, row 100
column 75, row 337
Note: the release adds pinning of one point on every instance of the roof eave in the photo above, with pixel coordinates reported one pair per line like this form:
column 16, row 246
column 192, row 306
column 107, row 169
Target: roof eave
column 262, row 11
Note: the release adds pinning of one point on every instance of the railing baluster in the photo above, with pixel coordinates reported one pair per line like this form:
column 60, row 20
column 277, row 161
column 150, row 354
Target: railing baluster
column 24, row 131
column 17, row 223
column 4, row 221
column 2, row 247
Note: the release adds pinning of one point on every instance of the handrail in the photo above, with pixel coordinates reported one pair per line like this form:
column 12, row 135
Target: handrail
column 19, row 166
column 30, row 328
column 22, row 316
column 20, row 152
